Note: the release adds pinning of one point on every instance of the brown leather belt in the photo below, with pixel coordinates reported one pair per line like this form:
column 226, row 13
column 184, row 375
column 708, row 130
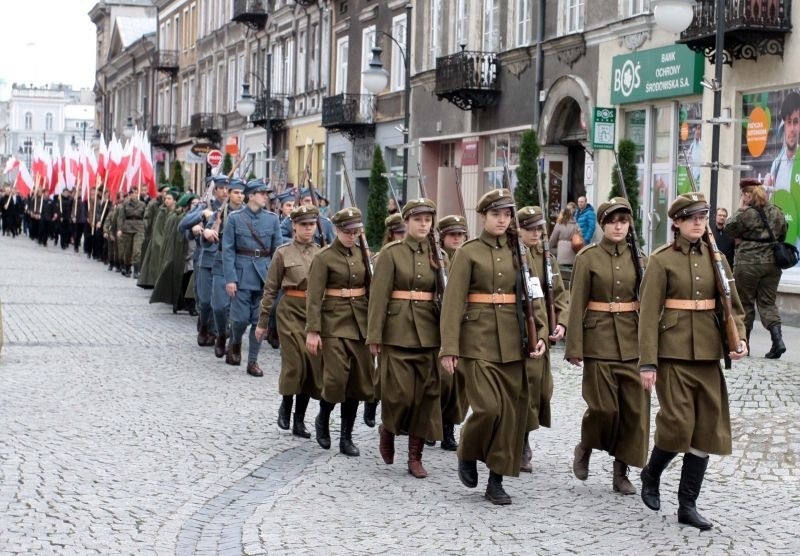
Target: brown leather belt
column 690, row 304
column 294, row 293
column 257, row 253
column 412, row 296
column 494, row 298
column 344, row 292
column 613, row 306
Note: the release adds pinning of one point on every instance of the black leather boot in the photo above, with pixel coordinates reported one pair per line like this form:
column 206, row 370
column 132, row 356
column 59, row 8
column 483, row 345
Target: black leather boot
column 136, row 272
column 322, row 424
column 651, row 477
column 298, row 424
column 346, row 446
column 778, row 347
column 468, row 473
column 370, row 408
column 284, row 412
column 494, row 490
column 449, row 440
column 692, row 473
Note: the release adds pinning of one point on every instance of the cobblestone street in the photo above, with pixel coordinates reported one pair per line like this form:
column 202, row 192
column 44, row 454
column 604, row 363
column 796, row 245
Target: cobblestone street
column 119, row 435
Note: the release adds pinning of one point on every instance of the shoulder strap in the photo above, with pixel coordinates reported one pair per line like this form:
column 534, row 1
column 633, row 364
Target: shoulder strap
column 763, row 216
column 255, row 235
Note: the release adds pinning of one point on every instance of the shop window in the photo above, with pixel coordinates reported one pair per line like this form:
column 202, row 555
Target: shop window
column 447, row 157
column 495, row 149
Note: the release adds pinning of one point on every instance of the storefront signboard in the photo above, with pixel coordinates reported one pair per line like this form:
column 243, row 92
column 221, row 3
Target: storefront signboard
column 666, row 72
column 603, row 128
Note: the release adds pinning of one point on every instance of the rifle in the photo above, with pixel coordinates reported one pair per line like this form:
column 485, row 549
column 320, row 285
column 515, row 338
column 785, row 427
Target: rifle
column 436, row 253
column 314, row 199
column 549, row 291
column 459, row 194
column 238, row 163
column 632, row 238
column 530, row 337
column 365, row 256
column 722, row 280
column 392, row 190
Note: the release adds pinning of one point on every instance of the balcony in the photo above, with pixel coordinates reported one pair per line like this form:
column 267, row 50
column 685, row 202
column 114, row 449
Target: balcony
column 753, row 28
column 205, row 125
column 166, row 61
column 278, row 111
column 305, row 3
column 250, row 12
column 468, row 79
column 352, row 115
column 162, row 135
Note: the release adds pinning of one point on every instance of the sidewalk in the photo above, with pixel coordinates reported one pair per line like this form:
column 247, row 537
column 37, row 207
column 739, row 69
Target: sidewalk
column 760, row 342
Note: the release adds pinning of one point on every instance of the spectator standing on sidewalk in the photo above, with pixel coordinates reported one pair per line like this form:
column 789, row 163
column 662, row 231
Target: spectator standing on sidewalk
column 585, row 217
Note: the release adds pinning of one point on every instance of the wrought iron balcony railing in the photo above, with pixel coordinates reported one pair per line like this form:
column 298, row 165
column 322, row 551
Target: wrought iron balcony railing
column 278, row 111
column 162, row 135
column 205, row 125
column 252, row 13
column 353, row 115
column 165, row 60
column 468, row 79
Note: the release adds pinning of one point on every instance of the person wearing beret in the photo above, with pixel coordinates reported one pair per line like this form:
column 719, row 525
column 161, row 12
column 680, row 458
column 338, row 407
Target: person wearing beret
column 680, row 346
column 150, row 215
column 212, row 233
column 756, row 274
column 481, row 336
column 404, row 333
column 336, row 327
column 301, row 372
column 328, row 236
column 540, row 379
column 250, row 238
column 151, row 262
column 170, row 286
column 603, row 323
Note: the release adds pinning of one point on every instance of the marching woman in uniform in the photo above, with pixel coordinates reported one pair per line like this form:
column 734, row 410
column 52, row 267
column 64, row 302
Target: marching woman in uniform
column 301, row 373
column 482, row 337
column 540, row 379
column 336, row 312
column 602, row 327
column 404, row 333
column 680, row 351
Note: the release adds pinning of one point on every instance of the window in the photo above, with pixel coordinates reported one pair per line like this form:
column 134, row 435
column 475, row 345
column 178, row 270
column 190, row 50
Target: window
column 341, row 65
column 572, row 16
column 28, row 120
column 288, row 68
column 302, row 62
column 185, row 103
column 462, row 24
column 636, row 7
column 435, row 31
column 491, row 25
column 190, row 99
column 231, row 104
column 447, row 157
column 398, row 80
column 48, row 121
column 367, row 43
column 494, row 154
column 314, row 57
column 523, row 22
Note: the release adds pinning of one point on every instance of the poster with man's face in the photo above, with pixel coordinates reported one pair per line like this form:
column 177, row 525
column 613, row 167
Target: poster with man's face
column 770, row 134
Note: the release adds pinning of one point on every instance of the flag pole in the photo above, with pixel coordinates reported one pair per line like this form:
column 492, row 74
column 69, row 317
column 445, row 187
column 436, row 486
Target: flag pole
column 94, row 205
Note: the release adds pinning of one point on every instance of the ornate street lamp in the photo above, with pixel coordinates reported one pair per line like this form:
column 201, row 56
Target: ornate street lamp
column 127, row 131
column 376, row 78
column 673, row 15
column 246, row 104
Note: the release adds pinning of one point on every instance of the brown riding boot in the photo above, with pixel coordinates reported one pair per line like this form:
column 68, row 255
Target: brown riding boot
column 204, row 338
column 415, row 446
column 525, row 465
column 580, row 465
column 386, row 445
column 253, row 369
column 234, row 354
column 219, row 346
column 621, row 483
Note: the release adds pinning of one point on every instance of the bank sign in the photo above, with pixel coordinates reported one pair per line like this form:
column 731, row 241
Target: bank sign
column 667, row 72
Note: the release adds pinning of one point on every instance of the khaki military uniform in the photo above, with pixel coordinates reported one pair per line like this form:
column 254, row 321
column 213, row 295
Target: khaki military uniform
column 685, row 347
column 408, row 332
column 301, row 372
column 487, row 339
column 617, row 418
column 131, row 223
column 110, row 231
column 341, row 322
column 453, row 392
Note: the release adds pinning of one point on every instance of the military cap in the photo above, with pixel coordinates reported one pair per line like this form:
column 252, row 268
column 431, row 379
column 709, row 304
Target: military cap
column 186, row 198
column 306, row 192
column 286, row 196
column 495, row 199
column 347, row 219
column 236, row 183
column 687, row 205
column 394, row 223
column 614, row 204
column 220, row 180
column 256, row 185
column 749, row 182
column 418, row 206
column 452, row 224
column 530, row 217
column 304, row 213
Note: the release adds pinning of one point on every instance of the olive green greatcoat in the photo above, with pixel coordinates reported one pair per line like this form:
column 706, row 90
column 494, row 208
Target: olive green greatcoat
column 151, row 264
column 487, row 340
column 540, row 377
column 168, row 286
column 617, row 418
column 685, row 347
column 453, row 392
column 301, row 372
column 408, row 331
column 150, row 214
column 110, row 231
column 341, row 322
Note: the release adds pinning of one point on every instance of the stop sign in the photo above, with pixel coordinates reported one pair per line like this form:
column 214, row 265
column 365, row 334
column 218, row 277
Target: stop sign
column 214, row 157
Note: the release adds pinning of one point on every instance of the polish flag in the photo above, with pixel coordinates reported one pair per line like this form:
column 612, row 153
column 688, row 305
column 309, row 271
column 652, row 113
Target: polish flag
column 24, row 181
column 11, row 164
column 102, row 158
column 148, row 172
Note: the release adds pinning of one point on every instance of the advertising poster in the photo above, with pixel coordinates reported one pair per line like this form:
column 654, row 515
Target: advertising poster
column 690, row 143
column 769, row 144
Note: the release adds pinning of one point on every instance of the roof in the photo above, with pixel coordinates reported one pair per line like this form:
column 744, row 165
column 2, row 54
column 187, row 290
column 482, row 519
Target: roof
column 131, row 29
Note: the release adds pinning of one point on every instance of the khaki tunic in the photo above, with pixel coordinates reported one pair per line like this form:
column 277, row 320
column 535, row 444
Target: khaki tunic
column 301, row 372
column 487, row 339
column 685, row 347
column 341, row 322
column 410, row 329
column 617, row 418
column 453, row 392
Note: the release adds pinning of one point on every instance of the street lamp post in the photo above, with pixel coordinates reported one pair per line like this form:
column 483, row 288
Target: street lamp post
column 246, row 105
column 675, row 16
column 376, row 78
